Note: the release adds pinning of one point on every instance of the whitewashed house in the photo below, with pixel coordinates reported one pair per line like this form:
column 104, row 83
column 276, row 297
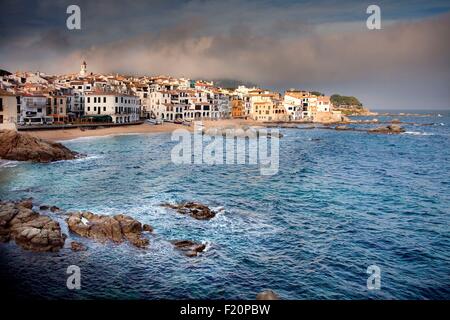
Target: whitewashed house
column 120, row 107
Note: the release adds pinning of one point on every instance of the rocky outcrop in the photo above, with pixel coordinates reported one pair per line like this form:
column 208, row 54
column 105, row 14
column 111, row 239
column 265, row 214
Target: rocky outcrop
column 25, row 147
column 147, row 227
column 389, row 129
column 77, row 246
column 267, row 295
column 115, row 228
column 29, row 229
column 188, row 247
column 329, row 117
column 194, row 209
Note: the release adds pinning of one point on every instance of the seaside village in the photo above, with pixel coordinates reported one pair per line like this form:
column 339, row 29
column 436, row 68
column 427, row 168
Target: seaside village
column 37, row 99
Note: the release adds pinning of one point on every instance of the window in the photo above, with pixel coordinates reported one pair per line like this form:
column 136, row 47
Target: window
column 39, row 110
column 95, row 99
column 121, row 99
column 117, row 99
column 1, row 118
column 89, row 108
column 104, row 108
column 60, row 101
column 104, row 99
column 89, row 100
column 1, row 104
column 95, row 108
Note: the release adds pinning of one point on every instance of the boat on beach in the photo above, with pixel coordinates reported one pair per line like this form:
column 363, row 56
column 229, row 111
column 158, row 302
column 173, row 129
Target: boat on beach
column 153, row 121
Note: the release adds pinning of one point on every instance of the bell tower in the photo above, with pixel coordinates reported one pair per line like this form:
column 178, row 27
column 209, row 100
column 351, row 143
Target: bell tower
column 83, row 70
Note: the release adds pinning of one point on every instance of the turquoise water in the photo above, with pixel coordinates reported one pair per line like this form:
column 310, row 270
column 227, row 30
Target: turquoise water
column 341, row 201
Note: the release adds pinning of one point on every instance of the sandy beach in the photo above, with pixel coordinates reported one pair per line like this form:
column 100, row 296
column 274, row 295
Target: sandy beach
column 68, row 134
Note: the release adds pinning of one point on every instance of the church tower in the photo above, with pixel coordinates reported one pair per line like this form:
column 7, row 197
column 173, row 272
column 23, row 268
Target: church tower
column 83, row 70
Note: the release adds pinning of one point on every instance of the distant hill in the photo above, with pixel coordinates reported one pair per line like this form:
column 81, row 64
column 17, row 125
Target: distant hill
column 345, row 101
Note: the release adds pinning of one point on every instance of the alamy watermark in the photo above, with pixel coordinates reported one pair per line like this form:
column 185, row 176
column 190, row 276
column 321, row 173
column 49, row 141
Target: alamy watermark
column 73, row 21
column 374, row 280
column 374, row 20
column 228, row 146
column 74, row 280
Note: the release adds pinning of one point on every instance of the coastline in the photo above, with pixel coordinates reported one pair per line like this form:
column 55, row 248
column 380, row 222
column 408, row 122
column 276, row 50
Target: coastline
column 69, row 134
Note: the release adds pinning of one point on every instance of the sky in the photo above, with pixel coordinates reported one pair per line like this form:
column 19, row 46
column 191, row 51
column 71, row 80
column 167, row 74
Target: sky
column 321, row 45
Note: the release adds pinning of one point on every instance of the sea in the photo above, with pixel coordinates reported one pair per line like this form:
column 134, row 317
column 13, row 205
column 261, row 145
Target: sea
column 342, row 204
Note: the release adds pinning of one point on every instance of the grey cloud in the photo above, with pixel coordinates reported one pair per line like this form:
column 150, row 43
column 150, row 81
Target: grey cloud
column 275, row 48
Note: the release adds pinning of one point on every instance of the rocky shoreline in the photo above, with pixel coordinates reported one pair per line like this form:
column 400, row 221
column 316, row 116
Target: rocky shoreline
column 29, row 229
column 37, row 232
column 25, row 147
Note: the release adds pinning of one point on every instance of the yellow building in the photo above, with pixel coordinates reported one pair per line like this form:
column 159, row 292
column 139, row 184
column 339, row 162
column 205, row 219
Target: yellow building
column 268, row 111
column 8, row 110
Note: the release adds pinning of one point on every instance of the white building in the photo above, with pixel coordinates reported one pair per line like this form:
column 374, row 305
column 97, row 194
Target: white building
column 121, row 108
column 8, row 110
column 323, row 104
column 293, row 103
column 33, row 109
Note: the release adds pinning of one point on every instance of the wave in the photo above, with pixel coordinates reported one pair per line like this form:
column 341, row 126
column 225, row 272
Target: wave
column 87, row 158
column 417, row 133
column 207, row 245
column 8, row 163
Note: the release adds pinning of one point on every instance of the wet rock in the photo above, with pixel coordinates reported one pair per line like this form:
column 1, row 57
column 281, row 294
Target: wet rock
column 395, row 121
column 188, row 247
column 54, row 209
column 389, row 129
column 27, row 203
column 267, row 295
column 44, row 207
column 147, row 227
column 29, row 229
column 194, row 209
column 25, row 147
column 102, row 228
column 77, row 246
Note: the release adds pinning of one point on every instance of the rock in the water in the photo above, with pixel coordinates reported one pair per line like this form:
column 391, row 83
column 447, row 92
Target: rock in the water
column 101, row 227
column 188, row 247
column 77, row 246
column 147, row 227
column 196, row 210
column 267, row 295
column 342, row 128
column 389, row 129
column 25, row 147
column 29, row 229
column 54, row 209
column 44, row 207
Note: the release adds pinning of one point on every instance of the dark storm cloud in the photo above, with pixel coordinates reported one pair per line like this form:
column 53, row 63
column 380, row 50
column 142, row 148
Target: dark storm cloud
column 275, row 44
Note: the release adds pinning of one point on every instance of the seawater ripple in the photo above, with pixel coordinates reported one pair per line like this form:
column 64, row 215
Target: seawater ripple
column 342, row 201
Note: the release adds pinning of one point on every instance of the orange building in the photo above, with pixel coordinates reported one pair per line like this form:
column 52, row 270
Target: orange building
column 237, row 108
